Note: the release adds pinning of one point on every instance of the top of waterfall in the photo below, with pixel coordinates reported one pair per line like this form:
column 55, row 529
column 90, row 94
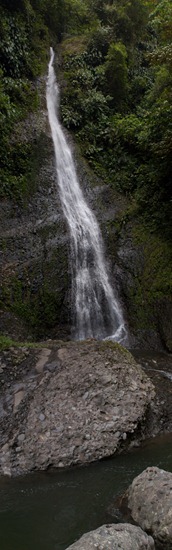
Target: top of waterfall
column 52, row 56
column 97, row 310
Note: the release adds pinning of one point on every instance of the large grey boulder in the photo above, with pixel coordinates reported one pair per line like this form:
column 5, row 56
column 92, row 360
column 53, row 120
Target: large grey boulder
column 73, row 403
column 122, row 536
column 150, row 502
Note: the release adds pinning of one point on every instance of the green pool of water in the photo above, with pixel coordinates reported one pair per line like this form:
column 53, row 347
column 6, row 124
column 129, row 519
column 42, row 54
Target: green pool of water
column 49, row 511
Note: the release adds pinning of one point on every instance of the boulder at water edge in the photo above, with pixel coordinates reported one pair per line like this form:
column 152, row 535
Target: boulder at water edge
column 150, row 502
column 70, row 403
column 122, row 536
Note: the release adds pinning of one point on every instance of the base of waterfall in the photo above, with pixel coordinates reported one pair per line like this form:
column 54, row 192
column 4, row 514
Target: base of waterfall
column 71, row 403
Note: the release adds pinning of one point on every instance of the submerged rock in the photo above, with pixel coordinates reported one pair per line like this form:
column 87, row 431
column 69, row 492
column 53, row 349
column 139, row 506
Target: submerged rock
column 150, row 503
column 115, row 537
column 95, row 401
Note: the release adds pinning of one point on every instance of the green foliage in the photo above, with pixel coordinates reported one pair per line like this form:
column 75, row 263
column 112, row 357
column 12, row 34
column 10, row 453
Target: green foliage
column 5, row 342
column 126, row 20
column 13, row 48
column 40, row 310
column 23, row 51
column 116, row 72
column 77, row 15
column 156, row 277
column 117, row 99
column 116, row 93
column 161, row 20
column 99, row 39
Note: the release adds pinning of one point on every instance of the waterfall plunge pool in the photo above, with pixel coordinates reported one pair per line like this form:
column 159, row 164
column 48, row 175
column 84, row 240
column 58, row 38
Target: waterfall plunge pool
column 49, row 511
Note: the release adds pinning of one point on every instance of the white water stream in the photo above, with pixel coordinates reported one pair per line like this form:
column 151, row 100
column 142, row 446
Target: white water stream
column 97, row 312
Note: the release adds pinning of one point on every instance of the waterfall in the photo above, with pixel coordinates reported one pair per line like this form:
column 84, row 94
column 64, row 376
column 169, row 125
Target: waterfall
column 97, row 313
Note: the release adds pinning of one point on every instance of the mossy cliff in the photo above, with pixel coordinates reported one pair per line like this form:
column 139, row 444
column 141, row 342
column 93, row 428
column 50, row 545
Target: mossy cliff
column 143, row 266
column 115, row 76
column 34, row 263
column 35, row 274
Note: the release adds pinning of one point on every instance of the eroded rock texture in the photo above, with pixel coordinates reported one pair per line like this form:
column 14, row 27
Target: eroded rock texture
column 71, row 403
column 150, row 502
column 115, row 537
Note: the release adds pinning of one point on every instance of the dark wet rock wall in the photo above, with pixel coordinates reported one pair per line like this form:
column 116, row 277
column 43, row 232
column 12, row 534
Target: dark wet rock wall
column 35, row 254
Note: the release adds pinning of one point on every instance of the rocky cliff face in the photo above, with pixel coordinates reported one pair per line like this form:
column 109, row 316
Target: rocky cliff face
column 35, row 255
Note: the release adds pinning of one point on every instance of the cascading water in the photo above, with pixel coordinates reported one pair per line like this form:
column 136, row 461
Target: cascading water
column 97, row 311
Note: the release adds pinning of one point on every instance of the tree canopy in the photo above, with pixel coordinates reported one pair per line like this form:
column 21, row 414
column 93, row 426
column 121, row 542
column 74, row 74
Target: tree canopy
column 117, row 92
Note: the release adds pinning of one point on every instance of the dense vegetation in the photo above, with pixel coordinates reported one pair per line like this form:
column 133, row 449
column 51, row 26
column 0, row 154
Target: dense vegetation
column 115, row 60
column 118, row 101
column 117, row 98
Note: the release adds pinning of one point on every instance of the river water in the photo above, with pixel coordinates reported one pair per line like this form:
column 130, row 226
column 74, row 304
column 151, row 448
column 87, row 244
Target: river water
column 49, row 511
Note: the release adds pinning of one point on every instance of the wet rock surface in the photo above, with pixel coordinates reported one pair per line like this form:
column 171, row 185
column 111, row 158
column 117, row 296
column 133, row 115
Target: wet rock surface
column 115, row 537
column 71, row 403
column 34, row 256
column 158, row 366
column 150, row 503
column 34, row 269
